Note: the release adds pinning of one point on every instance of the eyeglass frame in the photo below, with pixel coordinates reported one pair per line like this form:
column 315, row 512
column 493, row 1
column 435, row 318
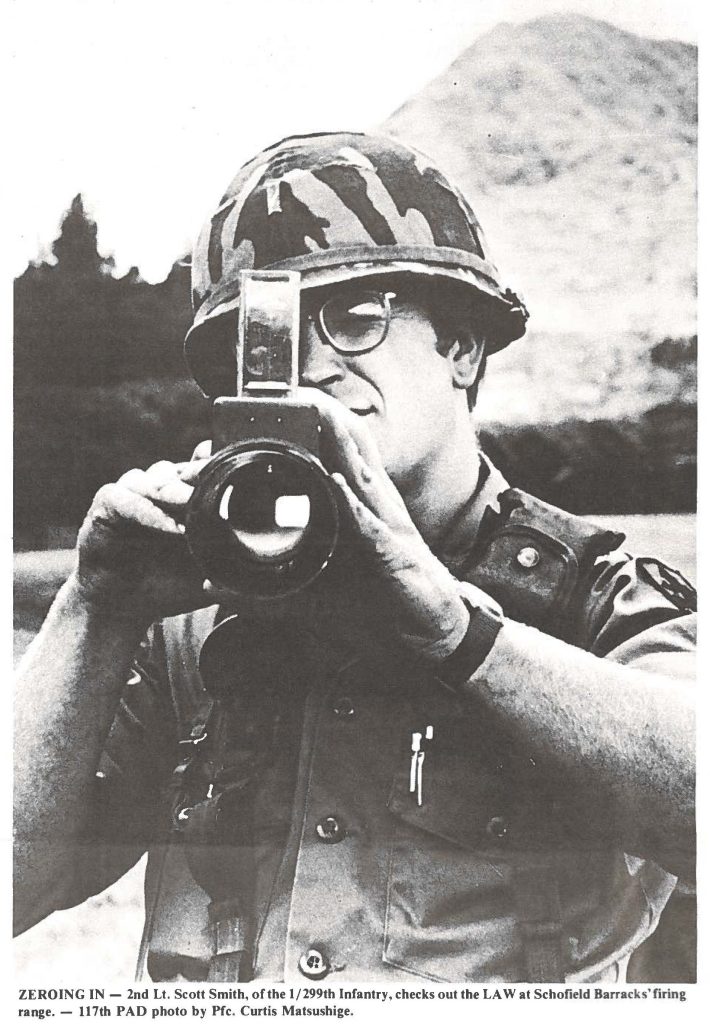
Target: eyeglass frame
column 318, row 320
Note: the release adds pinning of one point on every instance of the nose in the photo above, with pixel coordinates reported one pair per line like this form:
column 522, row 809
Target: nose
column 319, row 363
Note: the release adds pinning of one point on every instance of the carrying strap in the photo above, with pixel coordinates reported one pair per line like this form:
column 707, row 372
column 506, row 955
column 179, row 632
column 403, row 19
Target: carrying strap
column 228, row 740
column 537, row 899
column 228, row 961
column 215, row 772
column 202, row 783
column 180, row 785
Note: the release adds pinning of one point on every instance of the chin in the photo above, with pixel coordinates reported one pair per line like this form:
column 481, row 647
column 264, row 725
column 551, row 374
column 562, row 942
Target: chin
column 402, row 473
column 397, row 459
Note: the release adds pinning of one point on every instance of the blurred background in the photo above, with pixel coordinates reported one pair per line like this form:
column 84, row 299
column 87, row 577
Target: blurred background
column 574, row 136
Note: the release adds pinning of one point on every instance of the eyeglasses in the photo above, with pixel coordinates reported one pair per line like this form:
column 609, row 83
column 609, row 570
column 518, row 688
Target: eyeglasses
column 354, row 322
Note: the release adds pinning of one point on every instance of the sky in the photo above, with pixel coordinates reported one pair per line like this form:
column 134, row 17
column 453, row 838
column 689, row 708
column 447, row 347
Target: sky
column 149, row 108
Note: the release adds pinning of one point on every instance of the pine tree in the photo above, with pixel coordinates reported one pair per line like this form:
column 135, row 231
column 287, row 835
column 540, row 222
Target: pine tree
column 75, row 249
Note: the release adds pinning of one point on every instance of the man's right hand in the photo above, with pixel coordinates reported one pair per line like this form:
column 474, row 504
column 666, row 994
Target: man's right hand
column 133, row 559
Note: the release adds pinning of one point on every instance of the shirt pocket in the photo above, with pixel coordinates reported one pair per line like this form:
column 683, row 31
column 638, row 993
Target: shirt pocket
column 490, row 817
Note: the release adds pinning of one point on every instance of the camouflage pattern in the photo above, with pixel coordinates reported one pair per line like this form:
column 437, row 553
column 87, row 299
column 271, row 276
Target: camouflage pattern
column 334, row 207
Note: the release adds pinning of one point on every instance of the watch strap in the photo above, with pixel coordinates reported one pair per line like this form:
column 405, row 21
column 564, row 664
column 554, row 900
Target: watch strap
column 485, row 623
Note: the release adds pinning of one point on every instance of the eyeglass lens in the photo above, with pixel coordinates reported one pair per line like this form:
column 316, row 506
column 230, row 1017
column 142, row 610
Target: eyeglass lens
column 356, row 323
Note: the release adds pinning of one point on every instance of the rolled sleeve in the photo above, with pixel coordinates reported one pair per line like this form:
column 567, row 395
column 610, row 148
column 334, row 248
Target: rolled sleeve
column 667, row 649
column 640, row 613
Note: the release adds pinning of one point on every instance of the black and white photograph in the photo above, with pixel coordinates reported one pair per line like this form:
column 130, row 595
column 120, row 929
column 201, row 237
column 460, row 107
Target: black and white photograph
column 354, row 563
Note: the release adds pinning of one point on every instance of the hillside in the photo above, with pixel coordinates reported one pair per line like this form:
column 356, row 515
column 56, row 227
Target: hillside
column 576, row 143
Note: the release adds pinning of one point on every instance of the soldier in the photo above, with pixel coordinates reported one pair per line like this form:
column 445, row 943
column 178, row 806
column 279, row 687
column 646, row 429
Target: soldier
column 466, row 751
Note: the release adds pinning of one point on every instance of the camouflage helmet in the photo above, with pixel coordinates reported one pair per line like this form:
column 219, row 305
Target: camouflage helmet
column 335, row 207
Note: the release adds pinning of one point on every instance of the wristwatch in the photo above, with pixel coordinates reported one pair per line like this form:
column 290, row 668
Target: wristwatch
column 485, row 623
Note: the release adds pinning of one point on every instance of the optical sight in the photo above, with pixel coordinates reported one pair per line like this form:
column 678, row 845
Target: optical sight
column 263, row 519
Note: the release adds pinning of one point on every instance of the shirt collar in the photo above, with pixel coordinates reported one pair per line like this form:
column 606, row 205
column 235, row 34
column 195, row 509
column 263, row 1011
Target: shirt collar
column 468, row 524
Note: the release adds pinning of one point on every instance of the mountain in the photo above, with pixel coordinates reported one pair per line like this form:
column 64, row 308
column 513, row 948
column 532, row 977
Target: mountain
column 576, row 143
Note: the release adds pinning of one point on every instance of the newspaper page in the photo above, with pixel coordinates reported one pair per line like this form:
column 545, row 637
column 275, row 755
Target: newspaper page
column 422, row 744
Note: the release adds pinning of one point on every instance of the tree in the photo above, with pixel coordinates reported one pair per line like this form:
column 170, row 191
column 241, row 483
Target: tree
column 100, row 377
column 75, row 249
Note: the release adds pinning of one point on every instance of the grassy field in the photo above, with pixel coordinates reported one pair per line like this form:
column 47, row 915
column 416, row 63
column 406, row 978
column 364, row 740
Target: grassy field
column 99, row 940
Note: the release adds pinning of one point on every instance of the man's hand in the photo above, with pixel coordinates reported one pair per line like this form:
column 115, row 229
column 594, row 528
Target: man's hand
column 133, row 558
column 423, row 596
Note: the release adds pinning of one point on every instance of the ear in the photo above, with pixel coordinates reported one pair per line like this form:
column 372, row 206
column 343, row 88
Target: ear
column 464, row 362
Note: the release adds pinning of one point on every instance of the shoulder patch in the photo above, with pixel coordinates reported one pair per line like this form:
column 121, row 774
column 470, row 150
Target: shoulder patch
column 669, row 582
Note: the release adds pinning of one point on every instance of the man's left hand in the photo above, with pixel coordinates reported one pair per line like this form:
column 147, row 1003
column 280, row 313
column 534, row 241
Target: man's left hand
column 423, row 596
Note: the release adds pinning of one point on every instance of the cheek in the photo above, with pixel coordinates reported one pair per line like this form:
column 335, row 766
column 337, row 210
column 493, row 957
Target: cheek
column 418, row 419
column 426, row 397
column 415, row 384
column 421, row 378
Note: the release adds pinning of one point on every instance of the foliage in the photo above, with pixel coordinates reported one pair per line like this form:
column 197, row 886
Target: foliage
column 647, row 464
column 69, row 441
column 101, row 387
column 78, row 324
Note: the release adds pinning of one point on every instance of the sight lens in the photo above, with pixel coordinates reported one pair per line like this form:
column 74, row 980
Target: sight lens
column 265, row 511
column 263, row 520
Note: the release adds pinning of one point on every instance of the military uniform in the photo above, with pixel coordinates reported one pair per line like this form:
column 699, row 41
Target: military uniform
column 296, row 831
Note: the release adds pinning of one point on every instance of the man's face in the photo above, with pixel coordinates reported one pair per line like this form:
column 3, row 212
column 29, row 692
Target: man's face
column 402, row 387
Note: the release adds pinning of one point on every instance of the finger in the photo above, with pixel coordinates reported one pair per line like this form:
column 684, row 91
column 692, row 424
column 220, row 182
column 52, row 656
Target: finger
column 352, row 450
column 190, row 471
column 149, row 480
column 202, row 451
column 175, row 493
column 343, row 426
column 115, row 504
column 409, row 564
column 377, row 491
column 161, row 483
column 136, row 480
column 367, row 525
column 162, row 472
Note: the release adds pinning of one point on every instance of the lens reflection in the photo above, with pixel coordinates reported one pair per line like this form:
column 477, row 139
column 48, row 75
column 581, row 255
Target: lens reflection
column 265, row 517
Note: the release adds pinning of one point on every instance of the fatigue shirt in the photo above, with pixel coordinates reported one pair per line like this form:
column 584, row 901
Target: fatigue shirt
column 333, row 851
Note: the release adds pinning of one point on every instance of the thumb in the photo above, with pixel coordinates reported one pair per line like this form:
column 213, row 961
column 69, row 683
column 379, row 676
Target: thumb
column 202, row 451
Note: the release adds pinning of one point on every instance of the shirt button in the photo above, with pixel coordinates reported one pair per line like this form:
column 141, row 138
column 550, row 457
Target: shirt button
column 497, row 828
column 313, row 964
column 528, row 558
column 344, row 708
column 329, row 830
